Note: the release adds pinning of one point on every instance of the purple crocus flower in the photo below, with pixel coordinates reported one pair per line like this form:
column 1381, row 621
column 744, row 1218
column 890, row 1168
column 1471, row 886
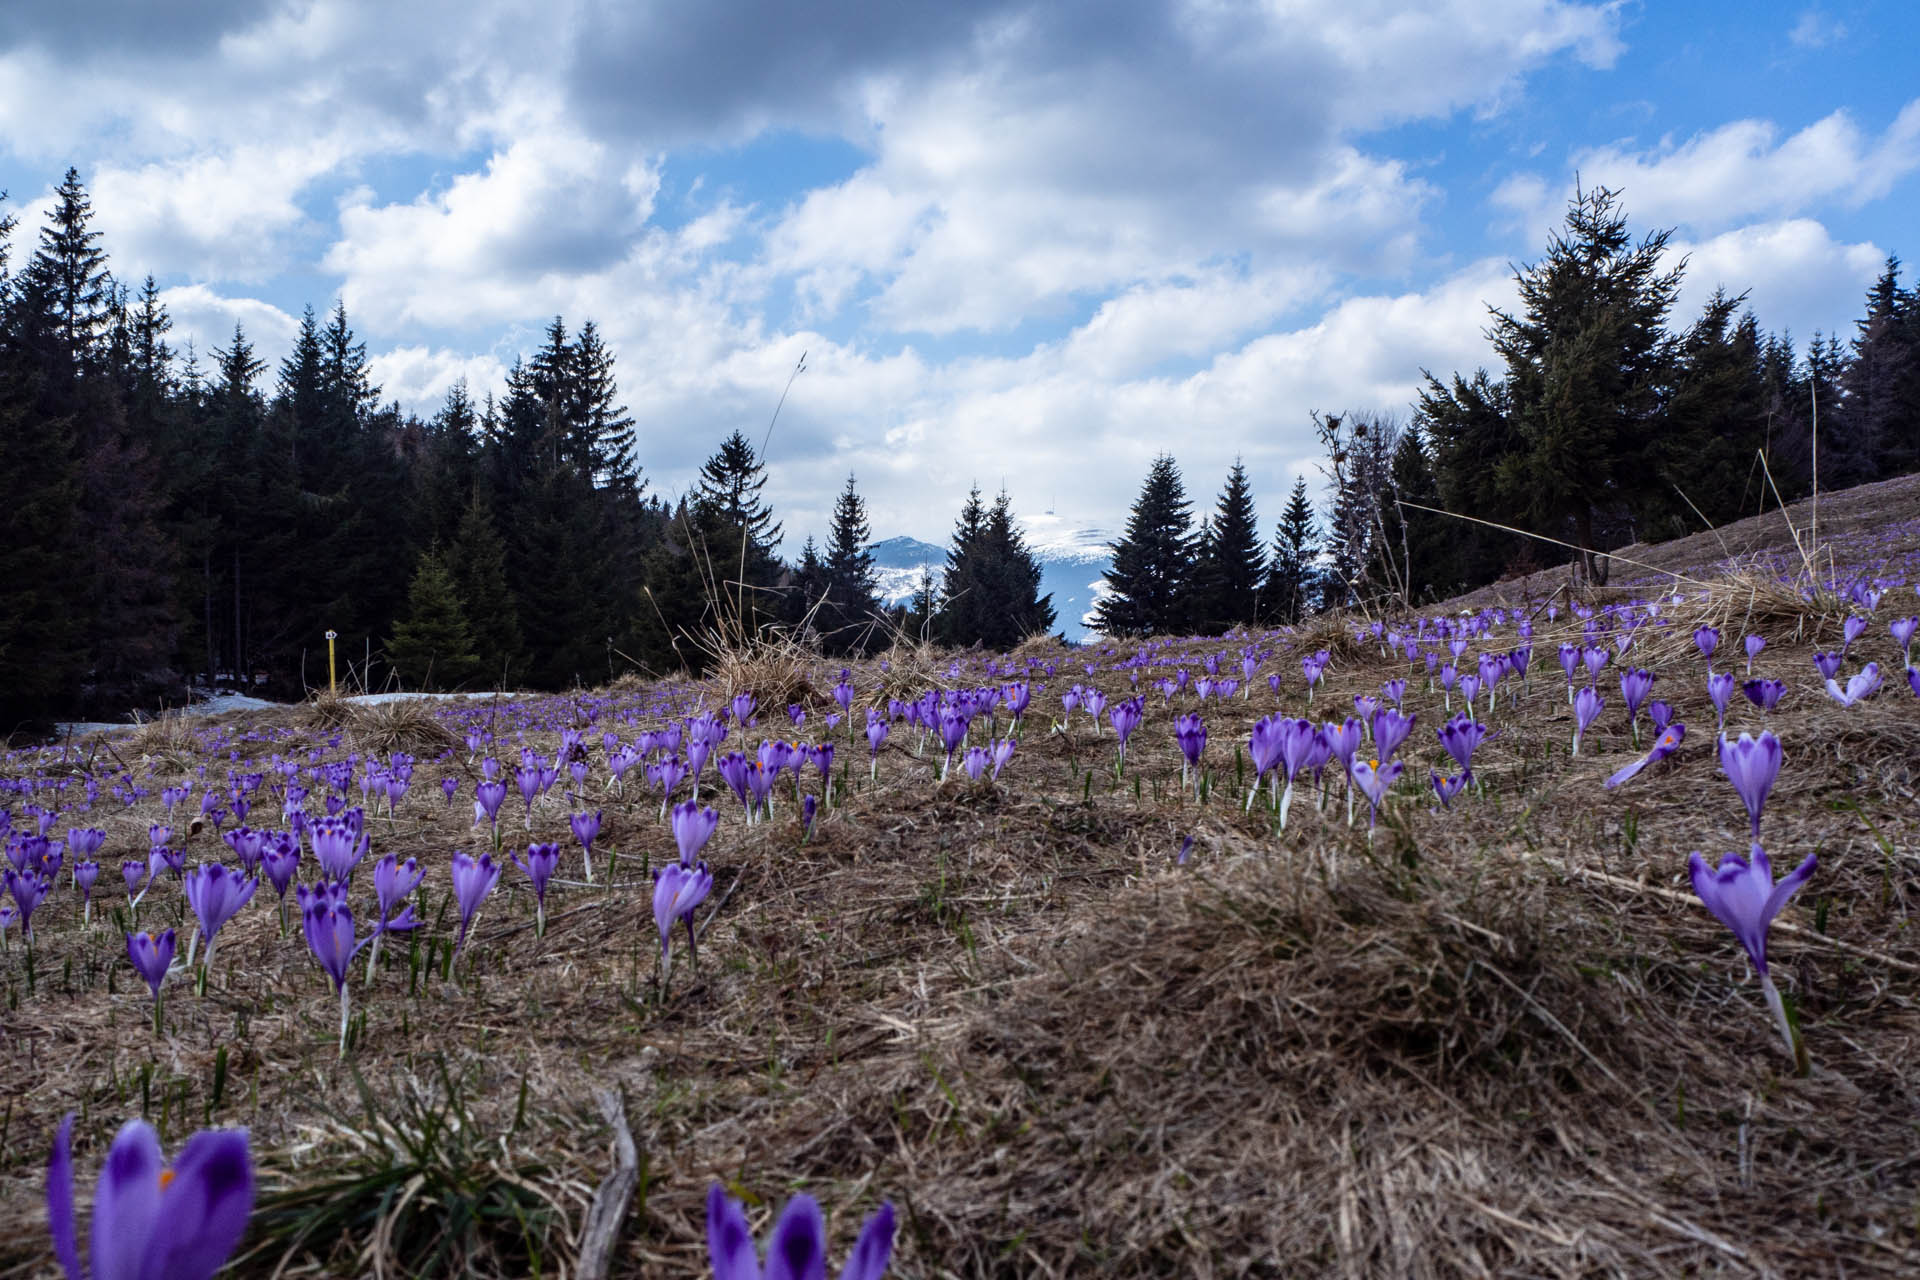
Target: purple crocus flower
column 28, row 890
column 133, row 871
column 1298, row 739
column 1447, row 788
column 1852, row 629
column 677, row 890
column 809, row 807
column 174, row 860
column 1751, row 765
column 1664, row 745
column 1469, row 689
column 877, row 730
column 693, row 826
column 1390, row 729
column 152, row 1221
column 1018, row 695
column 1586, row 709
column 473, row 880
column 151, row 957
column 280, row 859
column 1569, row 663
column 1635, row 684
column 1864, row 684
column 539, row 864
column 1828, row 664
column 1764, row 694
column 1754, row 645
column 1263, row 748
column 797, row 1245
column 1903, row 631
column 85, row 874
column 1707, row 639
column 1460, row 737
column 1375, row 780
column 245, row 843
column 1596, row 660
column 337, row 845
column 327, row 921
column 974, row 762
column 1742, row 894
column 1002, row 752
column 450, row 787
column 216, row 895
column 1125, row 717
column 733, row 768
column 528, row 779
column 394, row 881
column 1913, row 680
column 1660, row 713
column 953, row 731
column 586, row 829
column 1191, row 733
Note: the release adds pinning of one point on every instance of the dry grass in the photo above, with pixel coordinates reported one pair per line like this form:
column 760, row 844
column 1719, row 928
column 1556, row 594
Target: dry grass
column 1502, row 1040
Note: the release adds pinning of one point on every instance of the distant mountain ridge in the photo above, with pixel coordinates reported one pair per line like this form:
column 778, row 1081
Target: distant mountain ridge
column 1073, row 564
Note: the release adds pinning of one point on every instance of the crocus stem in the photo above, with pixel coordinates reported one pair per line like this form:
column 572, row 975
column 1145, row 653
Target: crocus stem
column 193, row 941
column 373, row 957
column 156, row 1013
column 587, row 857
column 1286, row 802
column 1796, row 1047
column 343, row 1019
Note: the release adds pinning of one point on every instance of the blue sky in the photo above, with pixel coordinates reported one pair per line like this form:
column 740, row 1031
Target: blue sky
column 1021, row 244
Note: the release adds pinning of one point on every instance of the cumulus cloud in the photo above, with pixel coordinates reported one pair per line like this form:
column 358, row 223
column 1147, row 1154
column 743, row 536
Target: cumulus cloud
column 1797, row 277
column 1740, row 171
column 207, row 319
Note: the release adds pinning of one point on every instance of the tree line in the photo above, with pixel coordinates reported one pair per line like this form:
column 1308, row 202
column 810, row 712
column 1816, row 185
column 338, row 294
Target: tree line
column 1606, row 423
column 176, row 519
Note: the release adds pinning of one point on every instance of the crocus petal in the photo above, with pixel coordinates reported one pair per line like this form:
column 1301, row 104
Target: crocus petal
column 1627, row 773
column 1787, row 887
column 868, row 1261
column 207, row 1206
column 729, row 1239
column 126, row 1203
column 60, row 1219
column 797, row 1248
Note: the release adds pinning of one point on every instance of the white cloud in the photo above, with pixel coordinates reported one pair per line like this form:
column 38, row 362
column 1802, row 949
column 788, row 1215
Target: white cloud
column 1815, row 30
column 1740, row 171
column 551, row 207
column 217, row 215
column 208, row 318
column 1797, row 276
column 420, row 377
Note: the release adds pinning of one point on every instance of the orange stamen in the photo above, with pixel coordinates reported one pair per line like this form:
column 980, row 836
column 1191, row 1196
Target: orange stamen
column 166, row 1178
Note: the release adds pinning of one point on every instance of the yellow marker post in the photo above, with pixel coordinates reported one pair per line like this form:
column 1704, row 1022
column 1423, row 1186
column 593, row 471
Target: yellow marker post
column 333, row 686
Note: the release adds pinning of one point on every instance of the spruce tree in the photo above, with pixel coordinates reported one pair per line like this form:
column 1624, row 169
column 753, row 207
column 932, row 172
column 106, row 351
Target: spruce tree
column 478, row 566
column 1231, row 566
column 1147, row 584
column 71, row 268
column 1587, row 358
column 1293, row 574
column 1009, row 577
column 432, row 647
column 730, row 483
column 1469, row 426
column 961, row 618
column 852, row 600
column 1879, row 419
column 41, row 637
column 1419, row 542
